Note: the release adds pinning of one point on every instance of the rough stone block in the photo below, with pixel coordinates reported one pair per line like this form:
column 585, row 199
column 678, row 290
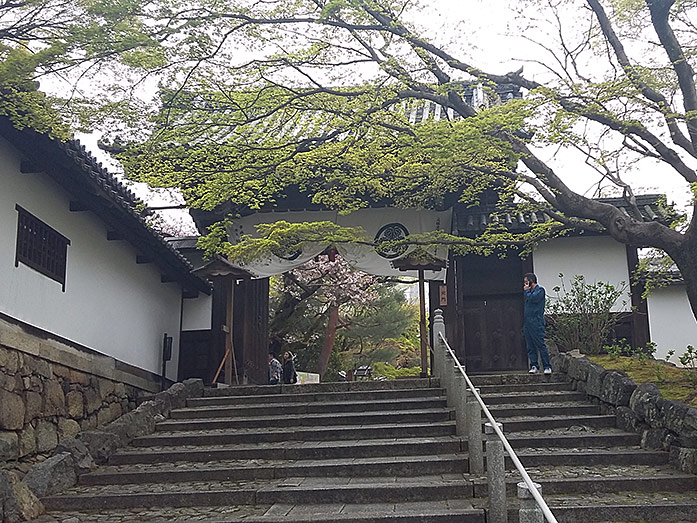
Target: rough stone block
column 89, row 423
column 194, row 387
column 75, row 402
column 163, row 400
column 46, row 436
column 32, row 406
column 690, row 420
column 627, row 420
column 673, row 415
column 9, row 446
column 617, row 389
column 594, row 380
column 11, row 383
column 644, row 401
column 100, row 444
column 178, row 394
column 655, row 439
column 93, row 401
column 75, row 376
column 33, row 365
column 18, row 502
column 106, row 387
column 52, row 476
column 120, row 390
column 61, row 372
column 54, row 399
column 67, row 428
column 11, row 410
column 77, row 449
column 27, row 441
column 578, row 368
column 684, row 459
column 9, row 360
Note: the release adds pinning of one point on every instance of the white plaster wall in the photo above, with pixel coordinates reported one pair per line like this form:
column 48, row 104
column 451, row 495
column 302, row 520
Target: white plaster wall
column 110, row 303
column 197, row 313
column 597, row 258
column 671, row 322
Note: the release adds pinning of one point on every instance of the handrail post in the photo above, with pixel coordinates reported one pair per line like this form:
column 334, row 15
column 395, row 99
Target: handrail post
column 449, row 377
column 496, row 476
column 439, row 349
column 473, row 417
column 460, row 403
column 529, row 511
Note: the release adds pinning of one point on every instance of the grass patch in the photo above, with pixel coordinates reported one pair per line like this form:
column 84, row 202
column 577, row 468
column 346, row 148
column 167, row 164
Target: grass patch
column 674, row 383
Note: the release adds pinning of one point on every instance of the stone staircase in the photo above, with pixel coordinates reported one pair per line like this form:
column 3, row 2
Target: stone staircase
column 588, row 469
column 352, row 452
column 369, row 452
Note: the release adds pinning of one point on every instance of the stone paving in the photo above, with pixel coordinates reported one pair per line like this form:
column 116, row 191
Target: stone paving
column 253, row 512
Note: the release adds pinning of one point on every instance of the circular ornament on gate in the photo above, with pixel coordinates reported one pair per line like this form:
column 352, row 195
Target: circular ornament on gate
column 390, row 233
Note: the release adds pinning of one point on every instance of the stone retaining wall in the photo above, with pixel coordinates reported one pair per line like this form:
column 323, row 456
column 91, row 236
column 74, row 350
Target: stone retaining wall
column 663, row 424
column 50, row 391
column 20, row 498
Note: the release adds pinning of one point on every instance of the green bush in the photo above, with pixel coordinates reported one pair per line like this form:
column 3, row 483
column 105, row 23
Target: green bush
column 380, row 369
column 580, row 315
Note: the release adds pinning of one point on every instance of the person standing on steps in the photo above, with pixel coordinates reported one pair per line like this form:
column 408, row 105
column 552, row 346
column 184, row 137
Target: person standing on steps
column 534, row 324
column 275, row 370
column 289, row 374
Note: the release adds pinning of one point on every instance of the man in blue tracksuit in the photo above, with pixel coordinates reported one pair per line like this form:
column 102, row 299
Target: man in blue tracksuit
column 534, row 323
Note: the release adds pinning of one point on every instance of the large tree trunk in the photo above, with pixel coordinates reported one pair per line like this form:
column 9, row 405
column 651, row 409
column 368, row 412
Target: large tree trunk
column 329, row 337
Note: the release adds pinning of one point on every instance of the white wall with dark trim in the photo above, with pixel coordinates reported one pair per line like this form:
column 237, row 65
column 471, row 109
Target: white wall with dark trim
column 110, row 304
column 671, row 322
column 597, row 258
column 198, row 313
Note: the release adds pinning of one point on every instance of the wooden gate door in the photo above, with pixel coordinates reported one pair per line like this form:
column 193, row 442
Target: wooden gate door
column 491, row 299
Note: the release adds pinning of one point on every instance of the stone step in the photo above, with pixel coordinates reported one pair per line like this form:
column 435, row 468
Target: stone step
column 285, row 409
column 518, row 423
column 544, row 409
column 276, row 434
column 533, row 397
column 296, row 450
column 597, row 478
column 253, row 492
column 613, row 507
column 313, row 420
column 441, row 511
column 587, row 457
column 524, row 387
column 302, row 397
column 338, row 386
column 518, row 378
column 567, row 439
column 276, row 469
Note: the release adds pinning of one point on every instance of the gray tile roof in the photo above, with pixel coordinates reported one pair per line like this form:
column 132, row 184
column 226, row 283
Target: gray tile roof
column 79, row 173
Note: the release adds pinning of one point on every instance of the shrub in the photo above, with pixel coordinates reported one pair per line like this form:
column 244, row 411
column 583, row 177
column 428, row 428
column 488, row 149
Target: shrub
column 580, row 315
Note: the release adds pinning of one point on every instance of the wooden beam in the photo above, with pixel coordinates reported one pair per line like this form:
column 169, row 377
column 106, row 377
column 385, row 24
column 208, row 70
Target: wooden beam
column 114, row 236
column 29, row 167
column 77, row 206
column 140, row 259
column 166, row 278
column 188, row 294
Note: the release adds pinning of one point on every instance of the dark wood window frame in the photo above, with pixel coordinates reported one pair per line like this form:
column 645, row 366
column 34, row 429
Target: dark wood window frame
column 41, row 247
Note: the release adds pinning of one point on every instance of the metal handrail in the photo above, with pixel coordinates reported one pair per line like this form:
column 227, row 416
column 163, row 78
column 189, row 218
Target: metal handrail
column 521, row 469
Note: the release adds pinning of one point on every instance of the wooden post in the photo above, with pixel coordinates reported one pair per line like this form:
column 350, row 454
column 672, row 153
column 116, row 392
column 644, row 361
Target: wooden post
column 423, row 334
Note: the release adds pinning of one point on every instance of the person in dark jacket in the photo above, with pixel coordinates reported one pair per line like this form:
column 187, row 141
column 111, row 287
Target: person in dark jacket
column 289, row 374
column 534, row 324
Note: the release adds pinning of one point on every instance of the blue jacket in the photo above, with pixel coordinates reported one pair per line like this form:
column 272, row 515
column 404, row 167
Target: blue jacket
column 534, row 307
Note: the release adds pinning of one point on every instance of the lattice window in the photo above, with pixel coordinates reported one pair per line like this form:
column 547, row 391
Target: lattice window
column 41, row 247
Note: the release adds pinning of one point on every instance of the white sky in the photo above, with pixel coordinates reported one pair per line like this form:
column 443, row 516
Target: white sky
column 487, row 33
